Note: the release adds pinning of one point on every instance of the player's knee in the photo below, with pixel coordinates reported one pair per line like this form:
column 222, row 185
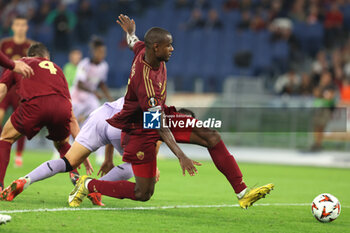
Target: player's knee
column 213, row 138
column 143, row 196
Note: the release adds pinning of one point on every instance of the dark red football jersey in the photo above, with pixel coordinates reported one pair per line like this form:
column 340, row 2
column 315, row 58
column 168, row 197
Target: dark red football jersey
column 12, row 50
column 48, row 79
column 146, row 89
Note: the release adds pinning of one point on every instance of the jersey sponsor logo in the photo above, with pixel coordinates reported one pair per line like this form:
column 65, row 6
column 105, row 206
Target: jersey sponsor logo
column 151, row 120
column 140, row 155
column 152, row 102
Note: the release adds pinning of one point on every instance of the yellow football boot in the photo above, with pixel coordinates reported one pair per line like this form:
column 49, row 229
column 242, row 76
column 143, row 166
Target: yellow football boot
column 79, row 192
column 254, row 195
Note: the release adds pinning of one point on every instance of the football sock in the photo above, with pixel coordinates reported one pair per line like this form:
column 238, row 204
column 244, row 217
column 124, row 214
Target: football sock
column 120, row 172
column 20, row 146
column 241, row 194
column 228, row 166
column 63, row 151
column 47, row 170
column 5, row 149
column 118, row 189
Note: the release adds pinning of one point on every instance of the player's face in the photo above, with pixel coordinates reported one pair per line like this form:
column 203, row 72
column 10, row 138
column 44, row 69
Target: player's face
column 75, row 57
column 99, row 53
column 164, row 50
column 19, row 27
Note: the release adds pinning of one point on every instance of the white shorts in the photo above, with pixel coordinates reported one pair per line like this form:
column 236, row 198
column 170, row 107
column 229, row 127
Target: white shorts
column 96, row 132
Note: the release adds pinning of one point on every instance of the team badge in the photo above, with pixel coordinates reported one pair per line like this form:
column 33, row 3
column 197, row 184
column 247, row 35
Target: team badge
column 140, row 155
column 152, row 102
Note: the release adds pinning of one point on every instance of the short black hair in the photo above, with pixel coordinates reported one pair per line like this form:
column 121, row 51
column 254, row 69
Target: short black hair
column 96, row 42
column 155, row 35
column 186, row 112
column 20, row 17
column 38, row 50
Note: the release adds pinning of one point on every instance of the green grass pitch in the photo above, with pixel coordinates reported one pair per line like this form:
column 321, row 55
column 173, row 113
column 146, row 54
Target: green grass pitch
column 209, row 187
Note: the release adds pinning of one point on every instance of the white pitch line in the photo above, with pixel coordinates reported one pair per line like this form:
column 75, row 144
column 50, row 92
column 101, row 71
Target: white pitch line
column 148, row 208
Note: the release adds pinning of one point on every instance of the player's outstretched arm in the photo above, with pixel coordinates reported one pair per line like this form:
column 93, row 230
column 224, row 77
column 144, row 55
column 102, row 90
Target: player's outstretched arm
column 3, row 91
column 108, row 164
column 88, row 167
column 129, row 27
column 185, row 163
column 105, row 91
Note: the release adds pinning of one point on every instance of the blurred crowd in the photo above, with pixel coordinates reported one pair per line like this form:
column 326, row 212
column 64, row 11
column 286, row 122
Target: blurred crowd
column 74, row 21
column 330, row 61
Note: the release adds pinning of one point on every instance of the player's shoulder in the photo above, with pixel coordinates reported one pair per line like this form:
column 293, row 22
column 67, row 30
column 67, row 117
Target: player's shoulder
column 104, row 64
column 84, row 61
column 6, row 40
column 30, row 42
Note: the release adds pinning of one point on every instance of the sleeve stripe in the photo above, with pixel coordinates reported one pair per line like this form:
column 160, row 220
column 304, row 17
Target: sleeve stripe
column 164, row 88
column 144, row 79
column 152, row 89
column 150, row 86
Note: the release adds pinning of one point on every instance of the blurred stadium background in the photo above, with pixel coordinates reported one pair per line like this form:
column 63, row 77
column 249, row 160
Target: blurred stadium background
column 228, row 53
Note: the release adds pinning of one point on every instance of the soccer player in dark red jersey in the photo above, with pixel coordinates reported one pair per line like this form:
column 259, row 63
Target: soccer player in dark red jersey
column 45, row 101
column 146, row 91
column 15, row 47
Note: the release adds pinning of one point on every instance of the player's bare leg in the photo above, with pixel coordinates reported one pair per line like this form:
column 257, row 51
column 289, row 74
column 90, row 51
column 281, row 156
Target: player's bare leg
column 228, row 166
column 2, row 116
column 63, row 147
column 8, row 136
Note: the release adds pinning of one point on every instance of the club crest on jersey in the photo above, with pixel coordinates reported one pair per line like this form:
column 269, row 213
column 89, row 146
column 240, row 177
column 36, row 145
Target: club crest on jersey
column 140, row 155
column 152, row 102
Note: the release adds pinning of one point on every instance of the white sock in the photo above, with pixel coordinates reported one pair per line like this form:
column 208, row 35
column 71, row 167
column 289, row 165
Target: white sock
column 87, row 183
column 241, row 194
column 26, row 185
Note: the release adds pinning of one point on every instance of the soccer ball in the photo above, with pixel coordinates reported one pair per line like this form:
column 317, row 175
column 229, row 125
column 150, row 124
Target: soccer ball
column 325, row 207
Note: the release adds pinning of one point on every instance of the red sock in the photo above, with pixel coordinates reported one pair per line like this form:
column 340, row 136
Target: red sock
column 118, row 189
column 5, row 150
column 227, row 165
column 20, row 145
column 63, row 151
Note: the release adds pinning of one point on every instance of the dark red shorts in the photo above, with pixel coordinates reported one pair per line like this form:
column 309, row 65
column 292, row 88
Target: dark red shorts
column 139, row 148
column 52, row 111
column 145, row 170
column 11, row 99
